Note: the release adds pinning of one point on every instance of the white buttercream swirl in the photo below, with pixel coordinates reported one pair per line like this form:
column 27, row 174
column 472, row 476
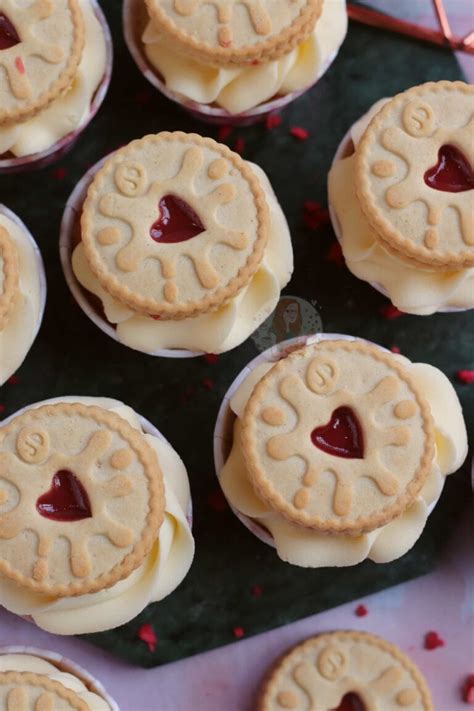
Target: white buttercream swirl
column 161, row 572
column 411, row 288
column 310, row 549
column 242, row 88
column 213, row 332
column 20, row 330
column 70, row 110
column 38, row 665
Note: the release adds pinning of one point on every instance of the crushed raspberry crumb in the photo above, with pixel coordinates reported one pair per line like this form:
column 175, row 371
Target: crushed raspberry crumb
column 13, row 380
column 314, row 214
column 335, row 254
column 217, row 501
column 59, row 173
column 211, row 358
column 468, row 690
column 272, row 121
column 465, row 376
column 395, row 349
column 224, row 132
column 147, row 634
column 257, row 591
column 433, row 640
column 390, row 312
column 239, row 632
column 361, row 611
column 239, row 145
column 299, row 132
column 208, row 383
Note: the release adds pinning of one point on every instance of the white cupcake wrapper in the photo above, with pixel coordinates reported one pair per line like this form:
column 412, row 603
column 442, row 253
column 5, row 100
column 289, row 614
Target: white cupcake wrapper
column 4, row 210
column 55, row 152
column 146, row 425
column 204, row 112
column 341, row 152
column 66, row 247
column 223, row 431
column 66, row 665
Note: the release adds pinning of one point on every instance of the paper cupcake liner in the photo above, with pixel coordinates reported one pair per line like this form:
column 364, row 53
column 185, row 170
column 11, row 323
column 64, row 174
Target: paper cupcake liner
column 223, row 431
column 146, row 425
column 204, row 112
column 66, row 665
column 343, row 151
column 70, row 219
column 55, row 152
column 4, row 210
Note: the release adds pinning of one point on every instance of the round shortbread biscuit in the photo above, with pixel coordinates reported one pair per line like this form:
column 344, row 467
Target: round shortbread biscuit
column 415, row 175
column 337, row 437
column 319, row 673
column 26, row 691
column 41, row 44
column 133, row 204
column 9, row 275
column 234, row 32
column 81, row 499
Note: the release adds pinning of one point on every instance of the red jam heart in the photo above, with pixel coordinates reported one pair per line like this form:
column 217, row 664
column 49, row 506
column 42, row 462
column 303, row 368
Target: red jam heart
column 67, row 500
column 351, row 702
column 452, row 173
column 8, row 34
column 177, row 222
column 342, row 436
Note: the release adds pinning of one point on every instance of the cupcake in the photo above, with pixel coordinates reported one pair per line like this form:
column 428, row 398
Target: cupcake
column 22, row 292
column 179, row 244
column 336, row 450
column 35, row 678
column 57, row 62
column 93, row 515
column 234, row 64
column 344, row 671
column 401, row 192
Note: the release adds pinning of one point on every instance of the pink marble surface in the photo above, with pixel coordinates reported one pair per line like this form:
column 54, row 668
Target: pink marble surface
column 226, row 679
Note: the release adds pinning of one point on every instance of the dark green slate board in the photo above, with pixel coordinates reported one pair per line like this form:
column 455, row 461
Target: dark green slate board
column 71, row 356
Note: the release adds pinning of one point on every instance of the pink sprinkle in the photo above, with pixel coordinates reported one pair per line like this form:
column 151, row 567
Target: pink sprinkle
column 211, row 358
column 239, row 632
column 361, row 611
column 390, row 312
column 217, row 501
column 257, row 591
column 19, row 65
column 272, row 121
column 224, row 132
column 13, row 380
column 433, row 640
column 465, row 376
column 147, row 634
column 208, row 383
column 59, row 173
column 300, row 133
column 468, row 690
column 395, row 349
column 239, row 145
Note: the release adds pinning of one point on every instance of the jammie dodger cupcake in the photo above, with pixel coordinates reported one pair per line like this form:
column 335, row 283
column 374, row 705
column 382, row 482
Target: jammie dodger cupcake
column 229, row 61
column 22, row 292
column 338, row 451
column 33, row 678
column 93, row 515
column 401, row 192
column 344, row 671
column 181, row 245
column 56, row 60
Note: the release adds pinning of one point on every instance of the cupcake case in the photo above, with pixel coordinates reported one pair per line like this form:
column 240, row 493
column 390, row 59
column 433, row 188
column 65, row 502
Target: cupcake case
column 182, row 397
